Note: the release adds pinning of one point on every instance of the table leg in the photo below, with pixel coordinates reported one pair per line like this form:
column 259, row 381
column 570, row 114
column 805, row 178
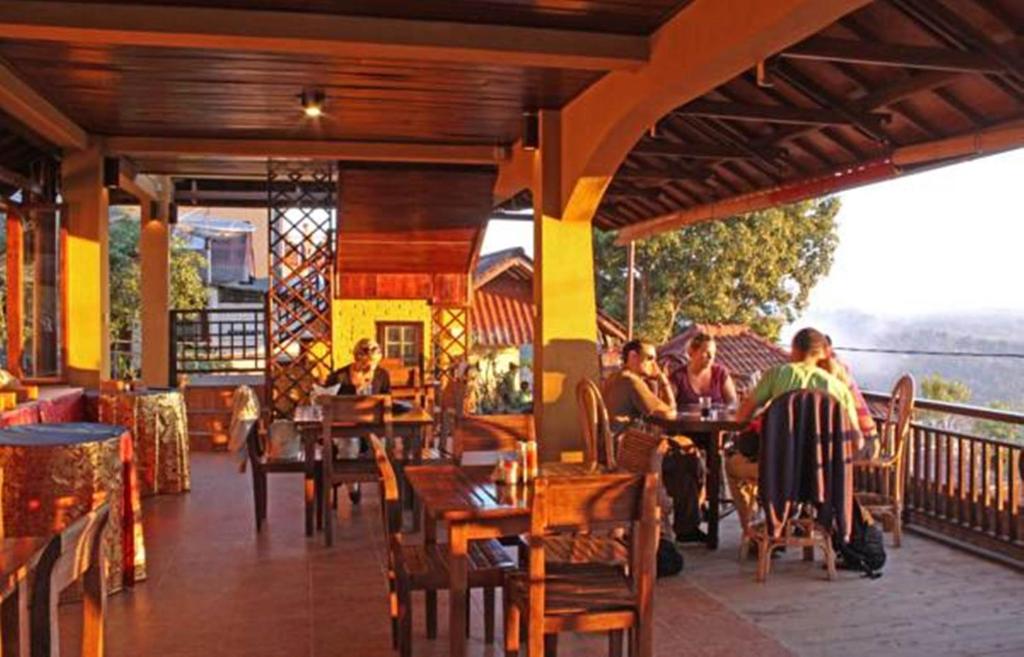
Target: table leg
column 714, row 486
column 310, row 484
column 459, row 585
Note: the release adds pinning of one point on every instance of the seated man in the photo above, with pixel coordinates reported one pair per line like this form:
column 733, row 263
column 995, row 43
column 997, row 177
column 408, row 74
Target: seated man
column 640, row 389
column 808, row 348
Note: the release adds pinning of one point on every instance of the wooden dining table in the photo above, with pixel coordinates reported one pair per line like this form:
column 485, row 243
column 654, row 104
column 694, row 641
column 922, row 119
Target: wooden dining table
column 473, row 507
column 709, row 434
column 410, row 425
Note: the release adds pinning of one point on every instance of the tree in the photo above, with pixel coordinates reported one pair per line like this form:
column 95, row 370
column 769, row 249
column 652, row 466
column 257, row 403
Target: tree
column 756, row 269
column 1000, row 430
column 187, row 289
column 937, row 388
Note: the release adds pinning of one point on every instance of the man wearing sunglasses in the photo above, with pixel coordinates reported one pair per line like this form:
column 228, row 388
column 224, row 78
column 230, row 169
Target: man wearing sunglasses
column 641, row 390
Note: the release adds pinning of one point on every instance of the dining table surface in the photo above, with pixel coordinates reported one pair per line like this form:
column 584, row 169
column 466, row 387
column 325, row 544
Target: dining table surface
column 707, row 429
column 473, row 507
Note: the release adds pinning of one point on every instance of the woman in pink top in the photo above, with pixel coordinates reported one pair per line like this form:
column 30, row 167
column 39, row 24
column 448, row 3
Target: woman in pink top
column 702, row 376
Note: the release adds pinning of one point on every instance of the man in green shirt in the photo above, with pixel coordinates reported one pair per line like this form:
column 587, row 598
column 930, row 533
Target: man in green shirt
column 802, row 373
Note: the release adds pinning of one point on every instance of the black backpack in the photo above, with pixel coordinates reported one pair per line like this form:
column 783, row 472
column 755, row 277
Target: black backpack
column 669, row 560
column 866, row 550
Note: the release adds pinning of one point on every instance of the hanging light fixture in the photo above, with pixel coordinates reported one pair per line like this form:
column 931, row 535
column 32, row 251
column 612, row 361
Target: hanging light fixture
column 531, row 131
column 313, row 103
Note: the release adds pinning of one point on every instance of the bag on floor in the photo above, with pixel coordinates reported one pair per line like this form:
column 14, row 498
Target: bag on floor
column 866, row 549
column 669, row 559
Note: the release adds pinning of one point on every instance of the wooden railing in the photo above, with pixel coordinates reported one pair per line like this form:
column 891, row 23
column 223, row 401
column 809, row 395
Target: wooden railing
column 218, row 341
column 964, row 486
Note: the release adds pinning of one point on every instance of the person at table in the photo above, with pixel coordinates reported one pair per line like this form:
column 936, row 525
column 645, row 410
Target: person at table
column 865, row 421
column 702, row 376
column 363, row 376
column 808, row 348
column 641, row 389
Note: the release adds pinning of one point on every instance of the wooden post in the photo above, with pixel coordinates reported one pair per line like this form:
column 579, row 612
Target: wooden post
column 88, row 268
column 630, row 287
column 154, row 257
column 15, row 293
column 565, row 335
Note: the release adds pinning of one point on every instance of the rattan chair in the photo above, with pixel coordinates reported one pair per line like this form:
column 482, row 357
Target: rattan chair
column 886, row 473
column 598, row 444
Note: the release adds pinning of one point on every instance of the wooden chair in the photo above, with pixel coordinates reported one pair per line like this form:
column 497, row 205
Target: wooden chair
column 557, row 598
column 415, row 567
column 888, row 470
column 639, row 453
column 599, row 447
column 490, row 433
column 262, row 464
column 76, row 553
column 355, row 417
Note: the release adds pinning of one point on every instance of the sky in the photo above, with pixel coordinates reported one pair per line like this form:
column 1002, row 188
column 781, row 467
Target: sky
column 949, row 240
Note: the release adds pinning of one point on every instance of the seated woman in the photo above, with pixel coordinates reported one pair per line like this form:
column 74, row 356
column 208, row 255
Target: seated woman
column 842, row 371
column 702, row 376
column 363, row 376
column 809, row 347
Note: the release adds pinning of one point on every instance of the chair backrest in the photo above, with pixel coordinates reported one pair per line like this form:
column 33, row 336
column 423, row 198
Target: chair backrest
column 391, row 505
column 598, row 444
column 597, row 501
column 69, row 555
column 640, row 452
column 897, row 418
column 355, row 415
column 490, row 433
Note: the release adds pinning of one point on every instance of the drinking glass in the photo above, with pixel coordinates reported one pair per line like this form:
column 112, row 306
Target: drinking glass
column 705, row 406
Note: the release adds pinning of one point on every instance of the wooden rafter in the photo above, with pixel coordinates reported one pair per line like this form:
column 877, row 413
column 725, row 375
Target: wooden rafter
column 785, row 114
column 857, row 51
column 697, row 151
column 302, row 33
column 25, row 104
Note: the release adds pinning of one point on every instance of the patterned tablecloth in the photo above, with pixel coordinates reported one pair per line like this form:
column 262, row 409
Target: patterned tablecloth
column 159, row 425
column 56, row 473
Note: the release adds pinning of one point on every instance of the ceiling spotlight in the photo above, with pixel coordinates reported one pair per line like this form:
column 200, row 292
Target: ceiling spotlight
column 312, row 103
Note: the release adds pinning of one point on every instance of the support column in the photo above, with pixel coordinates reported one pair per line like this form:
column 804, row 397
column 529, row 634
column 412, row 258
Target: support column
column 87, row 267
column 565, row 336
column 155, row 266
column 15, row 292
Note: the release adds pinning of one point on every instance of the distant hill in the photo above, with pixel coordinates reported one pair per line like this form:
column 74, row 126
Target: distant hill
column 990, row 379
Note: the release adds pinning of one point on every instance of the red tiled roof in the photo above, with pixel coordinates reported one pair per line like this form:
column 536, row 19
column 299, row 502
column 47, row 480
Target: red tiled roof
column 741, row 350
column 502, row 310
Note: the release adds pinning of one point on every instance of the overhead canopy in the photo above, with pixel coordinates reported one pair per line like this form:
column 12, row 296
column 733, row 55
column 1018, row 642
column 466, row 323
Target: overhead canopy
column 411, row 218
column 894, row 87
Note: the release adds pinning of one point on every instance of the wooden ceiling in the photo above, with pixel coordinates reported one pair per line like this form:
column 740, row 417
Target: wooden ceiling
column 171, row 92
column 894, row 74
column 616, row 16
column 411, row 218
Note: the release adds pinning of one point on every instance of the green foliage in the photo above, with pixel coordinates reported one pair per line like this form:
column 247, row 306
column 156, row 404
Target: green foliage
column 938, row 388
column 756, row 269
column 186, row 282
column 1001, row 430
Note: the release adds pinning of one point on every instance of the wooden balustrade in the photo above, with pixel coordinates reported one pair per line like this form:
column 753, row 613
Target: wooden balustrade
column 961, row 486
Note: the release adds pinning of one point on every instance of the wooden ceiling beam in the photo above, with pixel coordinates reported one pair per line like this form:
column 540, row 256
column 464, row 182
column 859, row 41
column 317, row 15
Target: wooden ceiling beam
column 691, row 150
column 26, row 105
column 786, row 114
column 321, row 35
column 883, row 54
column 362, row 151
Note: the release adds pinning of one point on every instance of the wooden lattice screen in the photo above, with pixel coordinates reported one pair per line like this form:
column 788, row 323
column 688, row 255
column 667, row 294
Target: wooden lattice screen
column 301, row 205
column 450, row 337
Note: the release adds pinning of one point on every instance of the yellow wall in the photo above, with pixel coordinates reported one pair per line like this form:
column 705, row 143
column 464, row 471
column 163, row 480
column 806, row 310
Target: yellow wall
column 355, row 319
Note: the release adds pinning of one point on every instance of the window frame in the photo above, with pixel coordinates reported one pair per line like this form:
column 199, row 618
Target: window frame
column 382, row 327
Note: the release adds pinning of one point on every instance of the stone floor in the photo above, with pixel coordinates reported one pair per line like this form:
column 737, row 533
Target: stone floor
column 215, row 588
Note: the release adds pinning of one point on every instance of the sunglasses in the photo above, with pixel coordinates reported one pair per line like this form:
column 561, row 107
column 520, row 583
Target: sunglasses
column 365, row 351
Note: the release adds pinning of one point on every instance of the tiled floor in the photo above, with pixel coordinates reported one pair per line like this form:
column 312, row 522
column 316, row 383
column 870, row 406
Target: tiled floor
column 215, row 588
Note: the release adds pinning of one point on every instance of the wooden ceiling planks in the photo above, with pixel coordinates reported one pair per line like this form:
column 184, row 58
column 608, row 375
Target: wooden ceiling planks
column 881, row 106
column 613, row 16
column 162, row 92
column 411, row 218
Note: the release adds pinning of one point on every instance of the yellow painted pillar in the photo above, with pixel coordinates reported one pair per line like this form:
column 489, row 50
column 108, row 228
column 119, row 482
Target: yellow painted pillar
column 565, row 336
column 87, row 267
column 155, row 264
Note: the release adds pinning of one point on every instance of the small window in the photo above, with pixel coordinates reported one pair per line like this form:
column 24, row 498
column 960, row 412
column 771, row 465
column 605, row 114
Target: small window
column 401, row 341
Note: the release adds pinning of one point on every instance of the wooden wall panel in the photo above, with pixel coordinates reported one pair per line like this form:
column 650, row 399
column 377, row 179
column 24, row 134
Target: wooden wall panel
column 436, row 288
